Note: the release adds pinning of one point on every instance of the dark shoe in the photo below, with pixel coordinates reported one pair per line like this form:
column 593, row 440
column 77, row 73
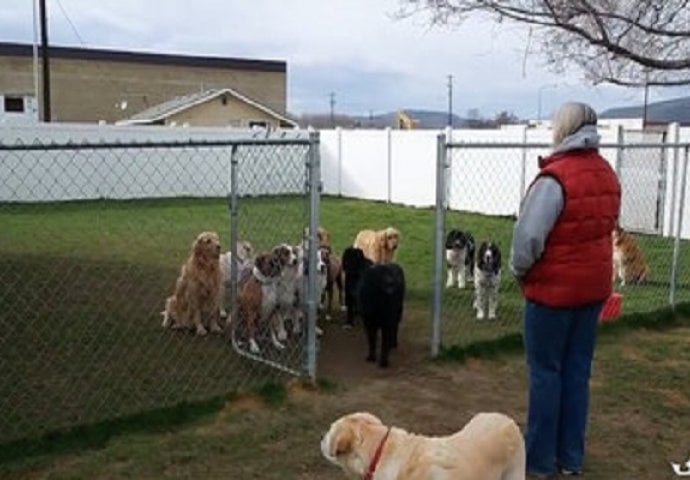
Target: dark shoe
column 539, row 476
column 569, row 473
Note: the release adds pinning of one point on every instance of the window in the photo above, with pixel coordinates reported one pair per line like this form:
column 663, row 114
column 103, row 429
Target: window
column 14, row 104
column 258, row 124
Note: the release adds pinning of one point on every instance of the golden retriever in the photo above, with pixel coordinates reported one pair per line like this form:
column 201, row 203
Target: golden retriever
column 199, row 289
column 489, row 447
column 378, row 246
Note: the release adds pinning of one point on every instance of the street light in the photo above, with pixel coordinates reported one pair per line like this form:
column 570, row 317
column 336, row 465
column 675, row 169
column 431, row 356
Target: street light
column 541, row 89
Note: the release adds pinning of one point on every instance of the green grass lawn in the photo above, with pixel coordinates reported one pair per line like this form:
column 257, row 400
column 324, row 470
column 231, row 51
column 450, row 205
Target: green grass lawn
column 82, row 285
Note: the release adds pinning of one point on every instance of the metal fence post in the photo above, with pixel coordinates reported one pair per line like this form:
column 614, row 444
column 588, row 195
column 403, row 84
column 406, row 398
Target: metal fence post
column 314, row 172
column 234, row 211
column 439, row 227
column 679, row 229
column 620, row 138
column 523, row 165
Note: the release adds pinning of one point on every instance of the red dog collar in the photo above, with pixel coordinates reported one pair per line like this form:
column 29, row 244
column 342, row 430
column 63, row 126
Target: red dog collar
column 369, row 475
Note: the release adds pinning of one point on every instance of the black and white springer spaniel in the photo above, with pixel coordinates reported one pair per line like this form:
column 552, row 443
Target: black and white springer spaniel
column 487, row 278
column 459, row 258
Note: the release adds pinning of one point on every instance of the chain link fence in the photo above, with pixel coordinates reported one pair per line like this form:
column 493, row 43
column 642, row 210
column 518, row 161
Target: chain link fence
column 479, row 190
column 92, row 241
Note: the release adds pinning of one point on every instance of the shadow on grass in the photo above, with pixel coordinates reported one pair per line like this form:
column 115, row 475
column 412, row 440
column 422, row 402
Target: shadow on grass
column 663, row 319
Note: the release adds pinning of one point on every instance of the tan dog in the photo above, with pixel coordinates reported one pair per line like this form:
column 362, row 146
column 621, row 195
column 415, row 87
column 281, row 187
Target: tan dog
column 199, row 289
column 322, row 235
column 489, row 447
column 378, row 246
column 334, row 278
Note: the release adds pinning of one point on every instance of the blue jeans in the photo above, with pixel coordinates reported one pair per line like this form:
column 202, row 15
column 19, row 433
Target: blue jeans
column 559, row 345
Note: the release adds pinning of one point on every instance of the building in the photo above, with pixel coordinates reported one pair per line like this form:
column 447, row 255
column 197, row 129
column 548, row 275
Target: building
column 92, row 85
column 216, row 107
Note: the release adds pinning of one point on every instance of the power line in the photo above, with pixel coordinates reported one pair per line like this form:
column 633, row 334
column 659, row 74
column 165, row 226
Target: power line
column 69, row 20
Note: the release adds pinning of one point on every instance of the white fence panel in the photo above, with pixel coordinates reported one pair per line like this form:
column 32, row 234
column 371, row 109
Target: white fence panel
column 413, row 176
column 364, row 161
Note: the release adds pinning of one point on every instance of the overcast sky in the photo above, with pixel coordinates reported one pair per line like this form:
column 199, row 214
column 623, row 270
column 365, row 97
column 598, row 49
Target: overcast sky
column 354, row 48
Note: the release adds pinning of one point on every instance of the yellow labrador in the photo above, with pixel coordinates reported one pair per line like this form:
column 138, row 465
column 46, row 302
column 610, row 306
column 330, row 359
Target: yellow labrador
column 489, row 447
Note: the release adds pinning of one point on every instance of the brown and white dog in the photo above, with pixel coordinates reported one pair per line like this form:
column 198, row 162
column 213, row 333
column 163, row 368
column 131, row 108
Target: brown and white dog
column 378, row 246
column 197, row 300
column 629, row 264
column 489, row 447
column 257, row 299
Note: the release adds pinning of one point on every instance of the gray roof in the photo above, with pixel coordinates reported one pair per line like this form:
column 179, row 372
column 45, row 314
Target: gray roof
column 178, row 104
column 668, row 111
column 26, row 50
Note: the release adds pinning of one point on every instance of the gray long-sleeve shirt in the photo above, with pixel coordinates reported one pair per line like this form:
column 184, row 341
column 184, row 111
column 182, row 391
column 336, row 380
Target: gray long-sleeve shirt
column 538, row 214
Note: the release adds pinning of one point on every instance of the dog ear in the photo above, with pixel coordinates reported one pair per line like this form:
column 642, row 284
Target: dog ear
column 343, row 441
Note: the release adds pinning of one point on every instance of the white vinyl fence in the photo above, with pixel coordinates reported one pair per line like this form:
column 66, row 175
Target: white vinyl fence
column 387, row 165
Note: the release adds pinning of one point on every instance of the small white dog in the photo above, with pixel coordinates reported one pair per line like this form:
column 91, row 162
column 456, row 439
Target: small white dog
column 487, row 279
column 489, row 447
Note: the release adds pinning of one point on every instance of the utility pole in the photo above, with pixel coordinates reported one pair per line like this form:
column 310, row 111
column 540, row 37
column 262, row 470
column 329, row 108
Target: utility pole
column 332, row 102
column 450, row 101
column 46, row 61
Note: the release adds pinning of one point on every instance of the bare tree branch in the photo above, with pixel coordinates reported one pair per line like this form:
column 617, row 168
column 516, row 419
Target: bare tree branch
column 624, row 42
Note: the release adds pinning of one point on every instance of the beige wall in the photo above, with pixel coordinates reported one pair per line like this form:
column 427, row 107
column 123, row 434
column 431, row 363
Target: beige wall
column 92, row 90
column 213, row 113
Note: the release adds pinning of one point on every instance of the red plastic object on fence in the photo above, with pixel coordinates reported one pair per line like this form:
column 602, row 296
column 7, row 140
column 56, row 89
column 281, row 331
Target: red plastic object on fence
column 612, row 308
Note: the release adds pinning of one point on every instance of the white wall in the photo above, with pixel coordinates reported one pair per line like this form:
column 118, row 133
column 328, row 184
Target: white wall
column 53, row 175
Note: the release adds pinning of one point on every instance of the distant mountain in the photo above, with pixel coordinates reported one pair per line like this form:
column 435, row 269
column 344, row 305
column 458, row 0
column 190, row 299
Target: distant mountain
column 668, row 111
column 429, row 119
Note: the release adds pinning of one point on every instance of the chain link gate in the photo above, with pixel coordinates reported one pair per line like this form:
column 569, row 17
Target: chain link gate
column 479, row 187
column 267, row 224
column 92, row 239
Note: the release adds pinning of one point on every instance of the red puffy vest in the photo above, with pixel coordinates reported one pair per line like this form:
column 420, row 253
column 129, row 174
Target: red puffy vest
column 576, row 265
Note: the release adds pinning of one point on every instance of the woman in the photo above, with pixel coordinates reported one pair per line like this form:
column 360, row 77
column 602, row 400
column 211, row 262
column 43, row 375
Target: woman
column 562, row 256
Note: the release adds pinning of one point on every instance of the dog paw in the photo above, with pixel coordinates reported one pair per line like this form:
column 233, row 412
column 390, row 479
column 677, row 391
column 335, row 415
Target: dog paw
column 328, row 317
column 278, row 345
column 319, row 332
column 201, row 331
column 492, row 315
column 282, row 335
column 480, row 315
column 253, row 346
column 348, row 325
column 343, row 308
column 223, row 313
column 215, row 328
